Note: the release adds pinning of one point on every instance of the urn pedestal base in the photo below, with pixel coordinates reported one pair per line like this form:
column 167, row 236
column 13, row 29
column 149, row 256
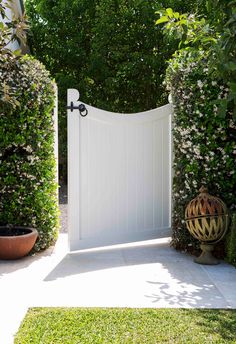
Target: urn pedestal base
column 206, row 256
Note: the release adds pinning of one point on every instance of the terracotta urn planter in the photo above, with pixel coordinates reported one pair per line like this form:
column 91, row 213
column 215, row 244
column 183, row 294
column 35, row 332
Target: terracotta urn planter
column 16, row 241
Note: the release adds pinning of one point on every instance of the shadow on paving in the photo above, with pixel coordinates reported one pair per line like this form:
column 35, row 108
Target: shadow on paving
column 9, row 266
column 174, row 279
column 106, row 258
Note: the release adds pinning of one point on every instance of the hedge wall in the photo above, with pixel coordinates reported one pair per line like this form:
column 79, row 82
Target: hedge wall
column 231, row 241
column 204, row 139
column 28, row 190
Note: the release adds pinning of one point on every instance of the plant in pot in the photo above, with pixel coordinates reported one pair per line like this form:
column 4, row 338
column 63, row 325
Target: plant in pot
column 16, row 241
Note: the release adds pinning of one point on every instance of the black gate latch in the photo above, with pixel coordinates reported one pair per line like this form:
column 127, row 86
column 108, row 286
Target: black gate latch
column 82, row 109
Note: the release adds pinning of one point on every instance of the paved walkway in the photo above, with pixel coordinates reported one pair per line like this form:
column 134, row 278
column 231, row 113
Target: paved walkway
column 145, row 274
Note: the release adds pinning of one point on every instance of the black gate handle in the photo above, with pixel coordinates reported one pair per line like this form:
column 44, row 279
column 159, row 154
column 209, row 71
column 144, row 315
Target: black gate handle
column 82, row 109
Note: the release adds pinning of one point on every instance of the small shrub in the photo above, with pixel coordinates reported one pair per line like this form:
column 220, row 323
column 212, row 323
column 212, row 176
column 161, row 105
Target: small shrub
column 204, row 139
column 231, row 242
column 28, row 190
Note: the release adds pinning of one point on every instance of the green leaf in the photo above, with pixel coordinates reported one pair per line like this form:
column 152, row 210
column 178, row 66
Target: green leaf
column 232, row 86
column 232, row 20
column 17, row 52
column 231, row 96
column 163, row 19
column 183, row 22
column 170, row 13
column 230, row 66
column 222, row 108
column 183, row 16
column 176, row 15
column 209, row 39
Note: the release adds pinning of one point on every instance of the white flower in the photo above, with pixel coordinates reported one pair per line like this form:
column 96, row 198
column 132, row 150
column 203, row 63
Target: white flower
column 196, row 150
column 200, row 84
column 29, row 149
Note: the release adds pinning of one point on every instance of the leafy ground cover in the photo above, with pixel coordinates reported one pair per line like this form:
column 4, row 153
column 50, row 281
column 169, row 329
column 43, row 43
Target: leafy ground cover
column 124, row 325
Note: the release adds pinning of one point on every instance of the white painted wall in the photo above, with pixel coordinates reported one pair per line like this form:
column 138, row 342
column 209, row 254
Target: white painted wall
column 119, row 175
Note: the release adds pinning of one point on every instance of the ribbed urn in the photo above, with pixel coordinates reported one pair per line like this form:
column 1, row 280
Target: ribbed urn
column 206, row 218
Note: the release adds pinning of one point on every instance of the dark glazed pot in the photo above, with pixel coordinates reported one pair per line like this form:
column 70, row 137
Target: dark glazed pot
column 16, row 242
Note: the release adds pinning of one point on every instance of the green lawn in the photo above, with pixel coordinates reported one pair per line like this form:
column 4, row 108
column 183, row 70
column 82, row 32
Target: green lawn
column 113, row 325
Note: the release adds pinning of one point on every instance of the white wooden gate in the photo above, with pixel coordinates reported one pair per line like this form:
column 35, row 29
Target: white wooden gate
column 119, row 175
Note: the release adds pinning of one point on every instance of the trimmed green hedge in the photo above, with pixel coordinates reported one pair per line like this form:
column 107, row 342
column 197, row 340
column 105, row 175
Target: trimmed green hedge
column 231, row 241
column 204, row 139
column 28, row 189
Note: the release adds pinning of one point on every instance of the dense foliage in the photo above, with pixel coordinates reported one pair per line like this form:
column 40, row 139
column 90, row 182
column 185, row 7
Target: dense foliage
column 222, row 18
column 201, row 80
column 215, row 33
column 28, row 188
column 231, row 241
column 28, row 191
column 110, row 50
column 204, row 142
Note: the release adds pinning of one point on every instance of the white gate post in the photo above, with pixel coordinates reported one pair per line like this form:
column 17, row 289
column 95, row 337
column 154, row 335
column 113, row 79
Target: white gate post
column 55, row 122
column 73, row 120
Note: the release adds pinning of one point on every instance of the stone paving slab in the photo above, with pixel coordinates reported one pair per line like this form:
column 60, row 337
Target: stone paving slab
column 146, row 274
